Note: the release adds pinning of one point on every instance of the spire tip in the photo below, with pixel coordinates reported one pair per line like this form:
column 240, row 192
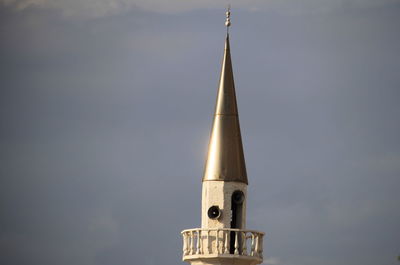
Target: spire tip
column 228, row 16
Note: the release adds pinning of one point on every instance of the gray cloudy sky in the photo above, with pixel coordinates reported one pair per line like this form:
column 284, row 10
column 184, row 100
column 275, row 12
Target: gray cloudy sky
column 106, row 109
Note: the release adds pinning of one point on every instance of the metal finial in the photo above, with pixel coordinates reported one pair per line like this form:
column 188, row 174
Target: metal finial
column 228, row 17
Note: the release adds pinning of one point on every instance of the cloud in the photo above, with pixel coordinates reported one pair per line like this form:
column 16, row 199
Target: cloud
column 100, row 8
column 272, row 261
column 76, row 8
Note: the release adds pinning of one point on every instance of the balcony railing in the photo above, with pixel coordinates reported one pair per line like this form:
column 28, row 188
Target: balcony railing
column 226, row 242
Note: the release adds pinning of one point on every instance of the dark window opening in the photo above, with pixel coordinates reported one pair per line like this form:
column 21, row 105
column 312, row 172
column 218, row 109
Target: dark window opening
column 236, row 222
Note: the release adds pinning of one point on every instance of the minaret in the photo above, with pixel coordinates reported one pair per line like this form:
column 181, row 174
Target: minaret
column 223, row 238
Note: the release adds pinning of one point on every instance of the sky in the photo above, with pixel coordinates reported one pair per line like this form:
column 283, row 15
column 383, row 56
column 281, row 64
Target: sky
column 106, row 110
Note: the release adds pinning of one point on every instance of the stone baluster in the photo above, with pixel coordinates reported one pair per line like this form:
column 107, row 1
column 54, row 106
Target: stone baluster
column 260, row 245
column 257, row 245
column 217, row 239
column 244, row 244
column 184, row 237
column 198, row 242
column 209, row 246
column 188, row 243
column 226, row 242
column 201, row 242
column 192, row 246
column 236, row 243
column 253, row 244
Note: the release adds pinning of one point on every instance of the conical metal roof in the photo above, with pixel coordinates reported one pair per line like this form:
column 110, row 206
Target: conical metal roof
column 225, row 160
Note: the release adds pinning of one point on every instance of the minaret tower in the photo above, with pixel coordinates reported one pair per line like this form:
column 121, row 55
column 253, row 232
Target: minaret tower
column 223, row 238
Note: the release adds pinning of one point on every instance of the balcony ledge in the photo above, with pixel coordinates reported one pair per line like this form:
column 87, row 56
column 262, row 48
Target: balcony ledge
column 226, row 245
column 220, row 256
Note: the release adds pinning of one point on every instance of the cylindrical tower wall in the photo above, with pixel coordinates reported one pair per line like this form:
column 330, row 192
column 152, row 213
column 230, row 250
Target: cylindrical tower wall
column 219, row 193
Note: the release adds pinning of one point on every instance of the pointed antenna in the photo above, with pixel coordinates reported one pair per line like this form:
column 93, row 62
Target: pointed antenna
column 228, row 19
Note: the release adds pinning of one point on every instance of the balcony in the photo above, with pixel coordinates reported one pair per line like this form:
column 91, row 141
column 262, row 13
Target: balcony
column 204, row 243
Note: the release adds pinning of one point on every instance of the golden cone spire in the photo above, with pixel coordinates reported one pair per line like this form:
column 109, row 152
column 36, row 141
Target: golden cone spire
column 225, row 160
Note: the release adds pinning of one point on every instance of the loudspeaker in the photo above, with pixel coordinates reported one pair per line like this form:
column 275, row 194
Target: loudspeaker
column 214, row 212
column 238, row 197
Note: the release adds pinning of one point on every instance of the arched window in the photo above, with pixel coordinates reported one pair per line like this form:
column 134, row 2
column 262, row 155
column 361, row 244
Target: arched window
column 237, row 200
